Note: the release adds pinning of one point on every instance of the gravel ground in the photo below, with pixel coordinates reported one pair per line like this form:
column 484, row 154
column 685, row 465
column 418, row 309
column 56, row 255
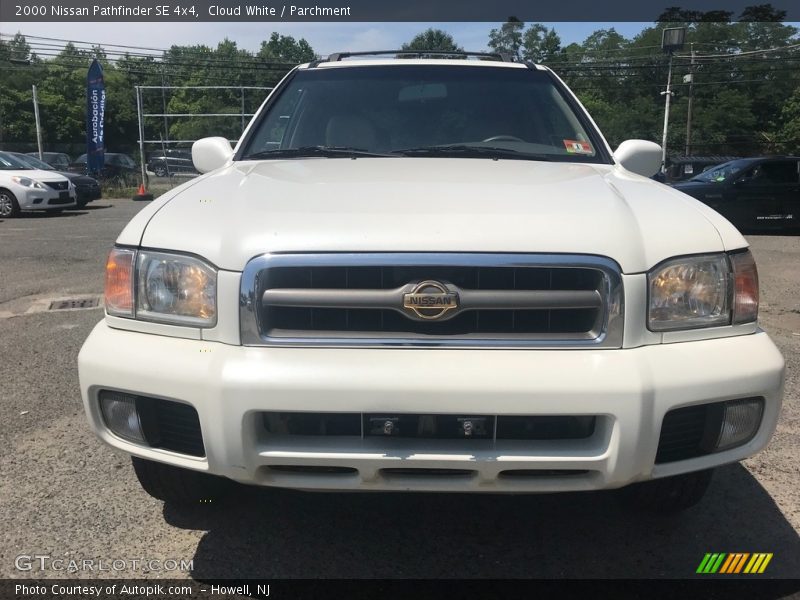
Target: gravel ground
column 67, row 496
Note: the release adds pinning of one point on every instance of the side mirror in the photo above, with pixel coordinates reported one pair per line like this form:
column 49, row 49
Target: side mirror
column 639, row 156
column 211, row 153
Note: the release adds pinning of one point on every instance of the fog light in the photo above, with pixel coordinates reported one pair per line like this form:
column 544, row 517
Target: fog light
column 740, row 422
column 120, row 415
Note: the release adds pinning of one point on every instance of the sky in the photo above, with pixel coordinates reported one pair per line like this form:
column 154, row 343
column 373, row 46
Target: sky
column 323, row 37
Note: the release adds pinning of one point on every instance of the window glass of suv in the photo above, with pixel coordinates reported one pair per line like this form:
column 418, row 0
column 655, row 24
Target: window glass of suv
column 430, row 110
column 775, row 172
column 724, row 172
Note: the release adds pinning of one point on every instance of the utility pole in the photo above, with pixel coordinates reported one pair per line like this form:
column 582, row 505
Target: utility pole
column 166, row 126
column 164, row 104
column 689, row 108
column 672, row 38
column 141, row 134
column 38, row 124
column 668, row 94
column 243, row 123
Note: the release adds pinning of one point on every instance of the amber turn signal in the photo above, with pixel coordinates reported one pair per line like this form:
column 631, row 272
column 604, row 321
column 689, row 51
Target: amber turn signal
column 745, row 296
column 119, row 282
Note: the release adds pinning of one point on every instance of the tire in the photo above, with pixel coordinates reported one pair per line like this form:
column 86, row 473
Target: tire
column 669, row 495
column 9, row 207
column 174, row 485
column 160, row 171
column 81, row 203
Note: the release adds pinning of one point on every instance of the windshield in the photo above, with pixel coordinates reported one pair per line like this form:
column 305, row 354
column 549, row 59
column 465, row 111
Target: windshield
column 12, row 163
column 723, row 172
column 33, row 162
column 424, row 110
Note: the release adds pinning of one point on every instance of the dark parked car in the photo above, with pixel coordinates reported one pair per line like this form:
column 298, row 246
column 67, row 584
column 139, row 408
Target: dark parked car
column 57, row 160
column 88, row 188
column 752, row 193
column 171, row 162
column 119, row 169
column 683, row 168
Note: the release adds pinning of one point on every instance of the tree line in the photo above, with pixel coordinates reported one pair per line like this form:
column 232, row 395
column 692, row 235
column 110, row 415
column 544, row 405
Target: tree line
column 742, row 77
column 60, row 78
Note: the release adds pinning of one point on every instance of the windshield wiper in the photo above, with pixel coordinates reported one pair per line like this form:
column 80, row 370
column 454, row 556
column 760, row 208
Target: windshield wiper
column 467, row 151
column 310, row 151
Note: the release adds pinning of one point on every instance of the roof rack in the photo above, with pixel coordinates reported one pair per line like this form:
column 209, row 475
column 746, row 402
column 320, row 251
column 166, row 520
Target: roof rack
column 338, row 56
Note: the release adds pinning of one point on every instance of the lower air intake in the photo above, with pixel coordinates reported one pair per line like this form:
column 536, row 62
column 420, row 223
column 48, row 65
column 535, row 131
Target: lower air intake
column 171, row 425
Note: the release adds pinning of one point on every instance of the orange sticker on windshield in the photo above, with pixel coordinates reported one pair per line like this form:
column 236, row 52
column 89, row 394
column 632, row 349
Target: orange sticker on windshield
column 578, row 147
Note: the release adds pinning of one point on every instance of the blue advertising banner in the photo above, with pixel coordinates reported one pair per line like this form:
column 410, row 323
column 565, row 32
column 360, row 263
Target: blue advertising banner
column 95, row 115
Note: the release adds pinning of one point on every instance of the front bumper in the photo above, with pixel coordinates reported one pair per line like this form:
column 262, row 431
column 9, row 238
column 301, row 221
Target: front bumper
column 631, row 389
column 87, row 193
column 47, row 199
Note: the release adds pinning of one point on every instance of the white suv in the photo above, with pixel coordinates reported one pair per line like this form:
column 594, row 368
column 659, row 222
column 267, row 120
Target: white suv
column 23, row 187
column 430, row 275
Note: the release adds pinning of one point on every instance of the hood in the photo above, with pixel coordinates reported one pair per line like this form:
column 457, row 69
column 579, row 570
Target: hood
column 429, row 205
column 37, row 174
column 77, row 178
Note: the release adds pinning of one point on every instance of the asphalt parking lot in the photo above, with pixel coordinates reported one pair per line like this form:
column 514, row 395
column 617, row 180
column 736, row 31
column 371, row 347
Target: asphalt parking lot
column 64, row 494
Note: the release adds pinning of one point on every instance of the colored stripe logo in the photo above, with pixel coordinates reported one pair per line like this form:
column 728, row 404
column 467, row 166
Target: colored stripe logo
column 734, row 563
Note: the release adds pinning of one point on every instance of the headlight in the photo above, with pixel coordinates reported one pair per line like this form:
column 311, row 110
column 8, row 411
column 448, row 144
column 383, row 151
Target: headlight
column 170, row 288
column 28, row 182
column 178, row 289
column 703, row 291
column 687, row 293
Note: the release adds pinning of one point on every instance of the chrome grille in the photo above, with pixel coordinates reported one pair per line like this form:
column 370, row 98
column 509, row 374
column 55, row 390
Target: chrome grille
column 504, row 300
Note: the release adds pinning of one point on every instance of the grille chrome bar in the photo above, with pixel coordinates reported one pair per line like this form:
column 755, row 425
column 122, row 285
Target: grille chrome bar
column 468, row 299
column 333, row 298
column 543, row 301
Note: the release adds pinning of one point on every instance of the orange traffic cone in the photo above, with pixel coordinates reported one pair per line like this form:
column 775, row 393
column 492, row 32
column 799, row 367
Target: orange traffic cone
column 142, row 194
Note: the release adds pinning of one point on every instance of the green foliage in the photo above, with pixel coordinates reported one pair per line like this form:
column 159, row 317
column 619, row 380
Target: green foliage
column 507, row 39
column 285, row 48
column 61, row 86
column 742, row 103
column 789, row 130
column 540, row 44
column 433, row 39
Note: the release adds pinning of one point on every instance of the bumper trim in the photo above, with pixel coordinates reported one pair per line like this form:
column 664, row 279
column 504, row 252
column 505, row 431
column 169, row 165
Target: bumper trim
column 631, row 389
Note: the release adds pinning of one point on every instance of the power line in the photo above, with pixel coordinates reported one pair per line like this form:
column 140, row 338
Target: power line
column 182, row 50
column 252, row 62
column 738, row 54
column 36, row 37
